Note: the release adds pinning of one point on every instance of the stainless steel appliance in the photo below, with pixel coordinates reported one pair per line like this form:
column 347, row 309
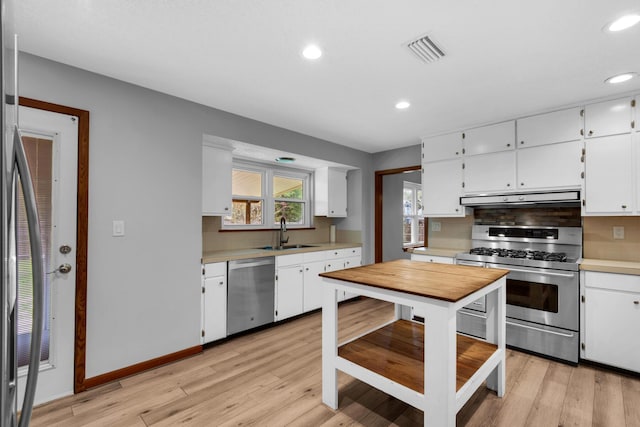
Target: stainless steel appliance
column 542, row 286
column 13, row 164
column 250, row 293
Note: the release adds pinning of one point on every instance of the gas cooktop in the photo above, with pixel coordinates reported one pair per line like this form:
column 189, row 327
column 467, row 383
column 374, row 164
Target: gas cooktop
column 518, row 253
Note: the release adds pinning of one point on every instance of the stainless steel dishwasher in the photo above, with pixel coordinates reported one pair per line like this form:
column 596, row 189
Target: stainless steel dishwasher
column 250, row 293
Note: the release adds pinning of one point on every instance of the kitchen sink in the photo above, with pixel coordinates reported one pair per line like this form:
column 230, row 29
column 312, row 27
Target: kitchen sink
column 285, row 247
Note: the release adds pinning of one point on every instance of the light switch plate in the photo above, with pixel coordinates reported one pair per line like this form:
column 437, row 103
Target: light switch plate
column 435, row 226
column 618, row 232
column 118, row 228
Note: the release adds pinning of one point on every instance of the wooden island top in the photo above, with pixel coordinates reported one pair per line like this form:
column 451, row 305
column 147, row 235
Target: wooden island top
column 440, row 281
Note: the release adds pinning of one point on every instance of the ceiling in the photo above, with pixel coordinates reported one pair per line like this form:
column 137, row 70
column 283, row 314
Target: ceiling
column 503, row 58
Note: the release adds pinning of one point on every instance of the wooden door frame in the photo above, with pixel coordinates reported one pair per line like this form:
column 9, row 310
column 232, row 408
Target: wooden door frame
column 82, row 232
column 378, row 206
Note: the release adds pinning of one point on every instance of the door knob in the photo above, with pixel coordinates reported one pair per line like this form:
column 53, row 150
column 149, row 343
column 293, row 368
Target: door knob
column 63, row 268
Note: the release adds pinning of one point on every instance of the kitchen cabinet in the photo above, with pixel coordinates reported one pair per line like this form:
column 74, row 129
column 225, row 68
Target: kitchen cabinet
column 554, row 166
column 289, row 286
column 441, row 188
column 490, row 139
column 214, row 302
column 557, row 126
column 609, row 176
column 312, row 293
column 340, row 259
column 216, row 179
column 330, row 192
column 442, row 147
column 611, row 310
column 608, row 117
column 487, row 173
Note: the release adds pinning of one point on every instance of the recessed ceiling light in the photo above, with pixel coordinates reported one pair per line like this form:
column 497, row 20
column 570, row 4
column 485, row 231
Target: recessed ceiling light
column 312, row 52
column 620, row 78
column 403, row 105
column 285, row 159
column 623, row 23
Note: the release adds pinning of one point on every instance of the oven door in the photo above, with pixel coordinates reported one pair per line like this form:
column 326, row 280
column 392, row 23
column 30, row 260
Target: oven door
column 547, row 297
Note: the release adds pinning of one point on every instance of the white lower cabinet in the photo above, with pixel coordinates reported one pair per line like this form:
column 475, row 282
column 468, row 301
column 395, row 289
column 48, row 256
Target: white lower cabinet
column 611, row 317
column 214, row 302
column 289, row 286
column 313, row 285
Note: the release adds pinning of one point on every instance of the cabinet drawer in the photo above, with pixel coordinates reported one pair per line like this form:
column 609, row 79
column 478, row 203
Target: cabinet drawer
column 293, row 259
column 215, row 269
column 334, row 254
column 612, row 281
column 431, row 258
column 314, row 256
column 350, row 252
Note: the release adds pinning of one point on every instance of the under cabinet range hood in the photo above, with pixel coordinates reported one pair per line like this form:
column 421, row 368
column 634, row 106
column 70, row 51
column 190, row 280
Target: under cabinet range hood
column 565, row 198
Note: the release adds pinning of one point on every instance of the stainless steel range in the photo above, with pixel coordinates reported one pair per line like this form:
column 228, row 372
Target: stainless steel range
column 542, row 286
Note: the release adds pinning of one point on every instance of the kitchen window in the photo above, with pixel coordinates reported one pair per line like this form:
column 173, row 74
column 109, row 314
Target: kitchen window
column 412, row 219
column 262, row 195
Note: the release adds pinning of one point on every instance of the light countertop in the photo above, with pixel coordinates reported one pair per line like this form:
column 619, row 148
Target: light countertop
column 234, row 254
column 609, row 266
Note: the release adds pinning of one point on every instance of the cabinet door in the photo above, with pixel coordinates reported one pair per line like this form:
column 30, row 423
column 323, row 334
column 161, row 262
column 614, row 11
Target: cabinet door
column 312, row 285
column 611, row 328
column 549, row 128
column 216, row 181
column 490, row 139
column 337, row 193
column 608, row 175
column 333, row 265
column 351, row 262
column 442, row 147
column 550, row 166
column 289, row 290
column 214, row 308
column 608, row 118
column 442, row 188
column 490, row 173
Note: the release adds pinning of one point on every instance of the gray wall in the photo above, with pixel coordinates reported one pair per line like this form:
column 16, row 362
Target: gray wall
column 143, row 297
column 401, row 157
column 392, row 186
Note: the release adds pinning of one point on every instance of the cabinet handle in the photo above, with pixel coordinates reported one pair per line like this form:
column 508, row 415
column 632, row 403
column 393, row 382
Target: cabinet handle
column 226, row 208
column 508, row 185
column 522, row 183
column 221, row 283
column 636, row 302
column 590, row 132
column 307, row 269
column 456, row 153
column 508, row 145
column 624, row 206
column 521, row 142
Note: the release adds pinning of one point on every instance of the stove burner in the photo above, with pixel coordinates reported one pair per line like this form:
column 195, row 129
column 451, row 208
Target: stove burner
column 518, row 253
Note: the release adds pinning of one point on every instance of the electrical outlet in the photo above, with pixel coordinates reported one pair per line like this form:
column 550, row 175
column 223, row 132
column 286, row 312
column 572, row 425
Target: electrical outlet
column 435, row 226
column 118, row 228
column 618, row 232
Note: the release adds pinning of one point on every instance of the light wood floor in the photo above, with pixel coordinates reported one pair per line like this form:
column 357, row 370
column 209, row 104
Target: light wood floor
column 273, row 378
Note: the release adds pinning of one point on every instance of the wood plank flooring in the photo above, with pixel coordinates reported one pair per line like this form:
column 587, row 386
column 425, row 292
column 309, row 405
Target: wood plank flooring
column 273, row 378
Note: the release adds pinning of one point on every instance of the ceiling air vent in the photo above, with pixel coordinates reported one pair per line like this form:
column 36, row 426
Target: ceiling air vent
column 425, row 49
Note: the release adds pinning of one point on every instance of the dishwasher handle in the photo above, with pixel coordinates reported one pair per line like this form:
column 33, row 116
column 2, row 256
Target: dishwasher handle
column 247, row 263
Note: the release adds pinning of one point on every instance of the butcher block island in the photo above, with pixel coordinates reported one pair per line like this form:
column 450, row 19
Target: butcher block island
column 429, row 366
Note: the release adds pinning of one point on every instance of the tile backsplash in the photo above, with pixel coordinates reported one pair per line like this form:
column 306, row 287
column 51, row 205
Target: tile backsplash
column 215, row 240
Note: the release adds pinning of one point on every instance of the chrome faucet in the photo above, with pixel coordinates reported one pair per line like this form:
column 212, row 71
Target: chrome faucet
column 283, row 229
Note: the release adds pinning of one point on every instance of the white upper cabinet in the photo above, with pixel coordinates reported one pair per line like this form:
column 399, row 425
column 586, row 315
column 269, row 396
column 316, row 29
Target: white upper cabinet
column 608, row 118
column 442, row 147
column 442, row 188
column 609, row 175
column 495, row 172
column 330, row 192
column 490, row 139
column 549, row 128
column 551, row 166
column 216, row 179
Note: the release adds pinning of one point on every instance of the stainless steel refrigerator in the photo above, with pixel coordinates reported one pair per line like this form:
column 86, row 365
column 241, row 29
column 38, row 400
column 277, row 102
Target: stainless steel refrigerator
column 15, row 173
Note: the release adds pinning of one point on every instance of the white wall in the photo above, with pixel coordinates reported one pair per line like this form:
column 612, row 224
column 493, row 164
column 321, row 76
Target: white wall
column 143, row 294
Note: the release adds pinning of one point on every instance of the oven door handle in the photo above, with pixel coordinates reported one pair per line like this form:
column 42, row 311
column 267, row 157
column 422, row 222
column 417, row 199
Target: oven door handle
column 546, row 273
column 540, row 329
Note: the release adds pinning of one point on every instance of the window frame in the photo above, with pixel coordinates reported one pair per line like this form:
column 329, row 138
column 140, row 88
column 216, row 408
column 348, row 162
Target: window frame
column 417, row 238
column 269, row 172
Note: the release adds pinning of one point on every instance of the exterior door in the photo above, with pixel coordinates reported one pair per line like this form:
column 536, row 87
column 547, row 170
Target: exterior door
column 50, row 141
